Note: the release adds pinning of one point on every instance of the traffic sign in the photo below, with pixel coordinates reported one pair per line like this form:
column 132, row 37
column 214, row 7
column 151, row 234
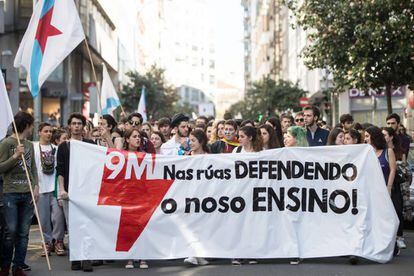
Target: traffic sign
column 303, row 101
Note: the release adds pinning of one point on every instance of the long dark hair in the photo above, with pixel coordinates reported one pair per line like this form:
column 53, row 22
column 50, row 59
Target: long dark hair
column 202, row 139
column 377, row 138
column 333, row 134
column 253, row 133
column 277, row 126
column 128, row 135
column 110, row 121
column 273, row 140
column 395, row 142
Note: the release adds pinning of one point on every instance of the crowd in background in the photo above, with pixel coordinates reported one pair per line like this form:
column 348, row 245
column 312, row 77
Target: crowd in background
column 48, row 162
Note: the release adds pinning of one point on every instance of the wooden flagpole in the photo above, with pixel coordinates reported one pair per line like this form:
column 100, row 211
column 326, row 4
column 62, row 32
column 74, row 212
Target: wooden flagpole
column 33, row 198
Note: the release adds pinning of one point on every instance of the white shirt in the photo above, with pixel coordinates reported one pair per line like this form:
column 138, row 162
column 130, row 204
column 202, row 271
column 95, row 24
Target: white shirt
column 170, row 148
column 46, row 182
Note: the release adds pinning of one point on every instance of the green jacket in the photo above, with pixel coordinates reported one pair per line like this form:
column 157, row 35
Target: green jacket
column 14, row 176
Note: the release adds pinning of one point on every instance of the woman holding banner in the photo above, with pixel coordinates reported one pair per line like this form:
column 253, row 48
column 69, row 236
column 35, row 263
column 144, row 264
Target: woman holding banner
column 198, row 144
column 250, row 140
column 393, row 143
column 295, row 137
column 132, row 143
column 269, row 137
column 386, row 158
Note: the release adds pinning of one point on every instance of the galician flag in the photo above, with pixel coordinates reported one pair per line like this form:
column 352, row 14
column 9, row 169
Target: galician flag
column 142, row 107
column 6, row 114
column 109, row 97
column 53, row 32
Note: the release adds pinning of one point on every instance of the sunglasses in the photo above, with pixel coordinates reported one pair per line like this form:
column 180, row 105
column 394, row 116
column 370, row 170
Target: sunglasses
column 134, row 123
column 299, row 120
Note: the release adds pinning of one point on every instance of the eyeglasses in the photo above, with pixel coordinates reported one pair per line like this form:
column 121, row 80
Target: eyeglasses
column 299, row 120
column 134, row 123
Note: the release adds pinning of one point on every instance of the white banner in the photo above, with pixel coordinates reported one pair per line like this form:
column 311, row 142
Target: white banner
column 284, row 203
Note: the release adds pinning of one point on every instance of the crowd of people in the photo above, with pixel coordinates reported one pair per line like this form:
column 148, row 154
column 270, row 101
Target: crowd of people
column 48, row 164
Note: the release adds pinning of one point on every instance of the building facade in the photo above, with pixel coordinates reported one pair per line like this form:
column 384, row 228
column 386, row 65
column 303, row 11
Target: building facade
column 273, row 48
column 179, row 37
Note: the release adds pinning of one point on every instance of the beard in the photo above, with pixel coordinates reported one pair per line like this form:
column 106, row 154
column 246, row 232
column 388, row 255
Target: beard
column 182, row 134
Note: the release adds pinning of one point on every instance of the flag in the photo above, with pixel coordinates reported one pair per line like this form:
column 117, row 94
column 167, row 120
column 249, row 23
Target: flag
column 109, row 97
column 6, row 113
column 53, row 32
column 142, row 107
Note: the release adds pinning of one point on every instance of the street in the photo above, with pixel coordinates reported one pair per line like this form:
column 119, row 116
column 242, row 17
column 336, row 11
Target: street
column 402, row 265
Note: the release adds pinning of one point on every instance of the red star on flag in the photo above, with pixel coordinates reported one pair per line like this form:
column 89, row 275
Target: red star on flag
column 45, row 30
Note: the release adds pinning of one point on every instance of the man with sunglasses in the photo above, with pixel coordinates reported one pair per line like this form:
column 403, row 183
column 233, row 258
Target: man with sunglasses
column 134, row 121
column 299, row 120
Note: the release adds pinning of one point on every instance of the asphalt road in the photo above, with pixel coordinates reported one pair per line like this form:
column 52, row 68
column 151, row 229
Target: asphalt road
column 401, row 265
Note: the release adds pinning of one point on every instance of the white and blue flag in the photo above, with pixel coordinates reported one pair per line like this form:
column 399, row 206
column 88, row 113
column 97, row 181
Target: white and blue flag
column 142, row 106
column 109, row 97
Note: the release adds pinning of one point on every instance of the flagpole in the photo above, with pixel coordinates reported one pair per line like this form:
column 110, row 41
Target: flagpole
column 33, row 198
column 96, row 79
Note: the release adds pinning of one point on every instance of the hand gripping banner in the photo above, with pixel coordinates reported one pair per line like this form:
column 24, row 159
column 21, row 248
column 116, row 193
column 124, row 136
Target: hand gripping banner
column 283, row 203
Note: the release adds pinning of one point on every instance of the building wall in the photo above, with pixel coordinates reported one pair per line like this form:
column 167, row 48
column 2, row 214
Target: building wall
column 179, row 37
column 272, row 46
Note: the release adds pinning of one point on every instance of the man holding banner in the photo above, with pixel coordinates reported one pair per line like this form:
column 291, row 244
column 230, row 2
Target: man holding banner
column 18, row 204
column 76, row 124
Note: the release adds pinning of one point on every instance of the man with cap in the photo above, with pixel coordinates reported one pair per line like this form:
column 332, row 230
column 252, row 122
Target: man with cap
column 179, row 144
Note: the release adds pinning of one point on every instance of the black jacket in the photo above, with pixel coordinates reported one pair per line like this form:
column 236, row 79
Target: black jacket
column 63, row 157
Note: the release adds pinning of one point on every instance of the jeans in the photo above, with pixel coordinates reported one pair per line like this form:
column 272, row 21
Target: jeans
column 51, row 217
column 397, row 200
column 2, row 231
column 18, row 213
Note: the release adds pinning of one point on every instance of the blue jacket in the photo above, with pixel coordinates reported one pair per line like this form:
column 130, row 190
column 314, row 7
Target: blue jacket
column 320, row 137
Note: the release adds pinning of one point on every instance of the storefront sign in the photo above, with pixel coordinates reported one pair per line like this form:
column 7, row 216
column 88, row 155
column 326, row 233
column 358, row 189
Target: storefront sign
column 357, row 93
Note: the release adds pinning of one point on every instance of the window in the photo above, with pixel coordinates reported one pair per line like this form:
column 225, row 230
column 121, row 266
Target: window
column 194, row 96
column 187, row 94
